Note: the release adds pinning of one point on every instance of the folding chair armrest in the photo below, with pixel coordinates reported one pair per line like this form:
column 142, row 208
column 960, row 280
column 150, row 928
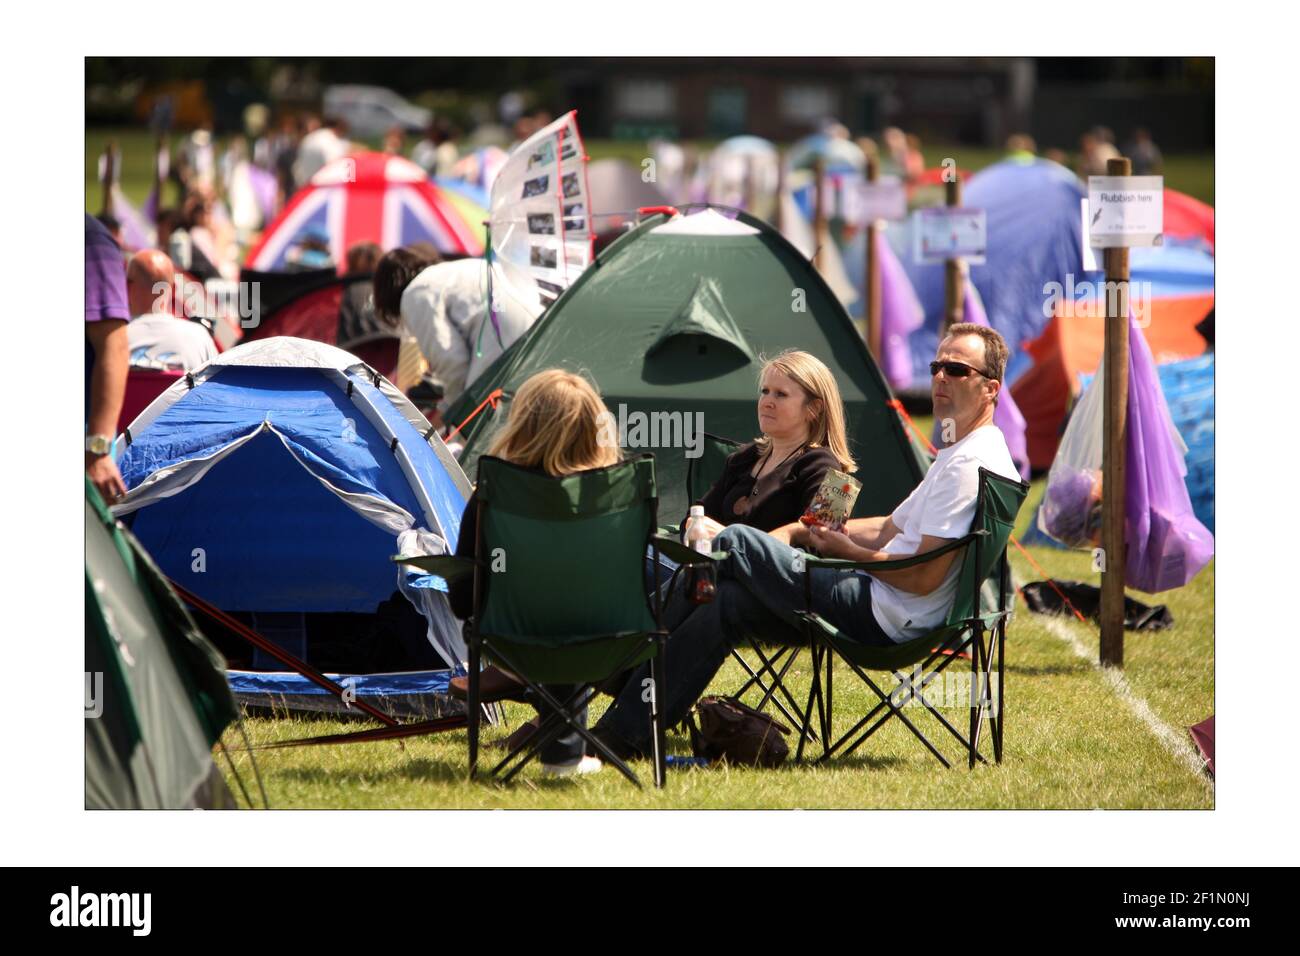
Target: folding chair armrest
column 449, row 567
column 838, row 564
column 676, row 551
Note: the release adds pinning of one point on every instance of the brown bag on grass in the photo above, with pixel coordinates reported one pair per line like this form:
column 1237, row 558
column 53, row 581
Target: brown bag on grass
column 737, row 733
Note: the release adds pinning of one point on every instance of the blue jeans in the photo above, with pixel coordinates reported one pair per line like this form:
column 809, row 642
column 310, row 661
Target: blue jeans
column 759, row 592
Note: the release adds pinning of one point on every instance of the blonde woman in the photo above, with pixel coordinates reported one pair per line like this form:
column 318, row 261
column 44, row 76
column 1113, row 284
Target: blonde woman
column 770, row 482
column 554, row 428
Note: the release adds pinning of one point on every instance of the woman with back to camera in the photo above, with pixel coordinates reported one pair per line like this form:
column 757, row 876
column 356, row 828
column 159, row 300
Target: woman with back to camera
column 553, row 428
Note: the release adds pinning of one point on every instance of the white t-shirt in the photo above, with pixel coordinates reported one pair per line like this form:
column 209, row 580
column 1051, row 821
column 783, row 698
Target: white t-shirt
column 160, row 340
column 942, row 505
column 319, row 147
column 445, row 308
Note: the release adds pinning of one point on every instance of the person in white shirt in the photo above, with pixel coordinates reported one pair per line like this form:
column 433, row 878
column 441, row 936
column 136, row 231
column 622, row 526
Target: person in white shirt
column 155, row 337
column 445, row 307
column 761, row 585
column 319, row 147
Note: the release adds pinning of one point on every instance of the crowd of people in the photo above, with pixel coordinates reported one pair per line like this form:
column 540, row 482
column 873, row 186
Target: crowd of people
column 753, row 510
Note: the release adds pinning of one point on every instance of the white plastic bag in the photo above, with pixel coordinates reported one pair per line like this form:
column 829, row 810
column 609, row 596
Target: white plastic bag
column 1071, row 509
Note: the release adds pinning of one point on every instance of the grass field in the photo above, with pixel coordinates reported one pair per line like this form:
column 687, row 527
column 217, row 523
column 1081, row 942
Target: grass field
column 1074, row 738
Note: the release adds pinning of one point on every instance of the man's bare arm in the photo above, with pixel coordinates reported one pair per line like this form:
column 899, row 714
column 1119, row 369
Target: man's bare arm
column 870, row 533
column 921, row 578
column 107, row 391
column 873, row 533
column 108, row 379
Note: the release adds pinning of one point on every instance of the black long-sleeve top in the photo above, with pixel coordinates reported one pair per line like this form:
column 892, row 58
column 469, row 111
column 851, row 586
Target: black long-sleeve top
column 782, row 494
column 460, row 593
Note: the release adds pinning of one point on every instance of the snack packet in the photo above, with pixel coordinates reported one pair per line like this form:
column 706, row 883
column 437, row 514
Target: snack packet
column 834, row 501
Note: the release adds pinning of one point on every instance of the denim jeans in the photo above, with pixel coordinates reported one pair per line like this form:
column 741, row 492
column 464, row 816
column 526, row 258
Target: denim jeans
column 760, row 589
column 568, row 747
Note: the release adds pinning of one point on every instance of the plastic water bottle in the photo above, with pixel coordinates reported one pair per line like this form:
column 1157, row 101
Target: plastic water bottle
column 700, row 584
column 697, row 531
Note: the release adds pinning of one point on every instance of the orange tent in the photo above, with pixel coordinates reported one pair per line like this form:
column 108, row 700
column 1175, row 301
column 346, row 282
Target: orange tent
column 1072, row 343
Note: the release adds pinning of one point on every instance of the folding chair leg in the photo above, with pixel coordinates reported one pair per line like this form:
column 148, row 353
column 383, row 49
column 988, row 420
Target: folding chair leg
column 768, row 666
column 561, row 716
column 893, row 711
column 816, row 652
column 997, row 724
column 474, row 714
column 657, row 697
column 830, row 691
column 978, row 692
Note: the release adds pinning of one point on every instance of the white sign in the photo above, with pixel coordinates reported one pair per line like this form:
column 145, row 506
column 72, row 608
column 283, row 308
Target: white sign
column 540, row 221
column 945, row 232
column 1126, row 211
column 868, row 202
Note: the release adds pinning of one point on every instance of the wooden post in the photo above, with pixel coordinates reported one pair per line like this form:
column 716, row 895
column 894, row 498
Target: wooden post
column 1114, row 448
column 872, row 290
column 954, row 288
column 106, row 183
column 819, row 214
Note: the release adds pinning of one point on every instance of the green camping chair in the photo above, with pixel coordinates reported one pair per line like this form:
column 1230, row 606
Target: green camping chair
column 769, row 676
column 977, row 622
column 559, row 593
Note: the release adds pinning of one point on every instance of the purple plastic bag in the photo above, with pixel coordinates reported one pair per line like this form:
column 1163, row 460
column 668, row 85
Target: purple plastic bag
column 1006, row 415
column 1166, row 545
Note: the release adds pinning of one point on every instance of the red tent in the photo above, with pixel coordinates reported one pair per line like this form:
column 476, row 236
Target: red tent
column 1072, row 344
column 324, row 307
column 1188, row 218
column 367, row 197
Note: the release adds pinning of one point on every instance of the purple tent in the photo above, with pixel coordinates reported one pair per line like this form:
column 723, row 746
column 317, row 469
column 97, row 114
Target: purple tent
column 900, row 315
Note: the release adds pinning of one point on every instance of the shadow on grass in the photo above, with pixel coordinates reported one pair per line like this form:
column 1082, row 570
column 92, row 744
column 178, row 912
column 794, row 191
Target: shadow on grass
column 417, row 770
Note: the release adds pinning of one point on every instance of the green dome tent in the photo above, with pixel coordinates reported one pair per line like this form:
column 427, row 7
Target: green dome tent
column 156, row 691
column 673, row 320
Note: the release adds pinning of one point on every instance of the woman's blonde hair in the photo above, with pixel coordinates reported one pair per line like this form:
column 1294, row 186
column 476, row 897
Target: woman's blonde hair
column 557, row 422
column 827, row 429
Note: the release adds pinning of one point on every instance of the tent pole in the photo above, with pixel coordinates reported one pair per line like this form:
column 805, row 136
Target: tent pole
column 1115, row 402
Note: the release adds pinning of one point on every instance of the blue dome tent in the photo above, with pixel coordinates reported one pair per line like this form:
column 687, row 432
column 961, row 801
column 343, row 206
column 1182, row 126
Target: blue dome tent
column 275, row 483
column 1032, row 208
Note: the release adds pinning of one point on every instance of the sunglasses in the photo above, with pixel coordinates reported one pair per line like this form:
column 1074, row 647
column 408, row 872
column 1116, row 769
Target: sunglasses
column 955, row 369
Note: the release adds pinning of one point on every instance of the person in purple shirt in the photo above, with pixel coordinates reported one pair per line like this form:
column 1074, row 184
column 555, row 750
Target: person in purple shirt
column 107, row 355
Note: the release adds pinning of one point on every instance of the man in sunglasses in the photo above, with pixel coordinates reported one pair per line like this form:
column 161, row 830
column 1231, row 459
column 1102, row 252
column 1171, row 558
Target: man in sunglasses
column 965, row 381
column 761, row 585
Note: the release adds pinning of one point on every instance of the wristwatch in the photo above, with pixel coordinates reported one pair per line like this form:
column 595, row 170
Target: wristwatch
column 99, row 444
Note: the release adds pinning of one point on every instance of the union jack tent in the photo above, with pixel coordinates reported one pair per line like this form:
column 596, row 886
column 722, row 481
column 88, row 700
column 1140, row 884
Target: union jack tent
column 367, row 197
